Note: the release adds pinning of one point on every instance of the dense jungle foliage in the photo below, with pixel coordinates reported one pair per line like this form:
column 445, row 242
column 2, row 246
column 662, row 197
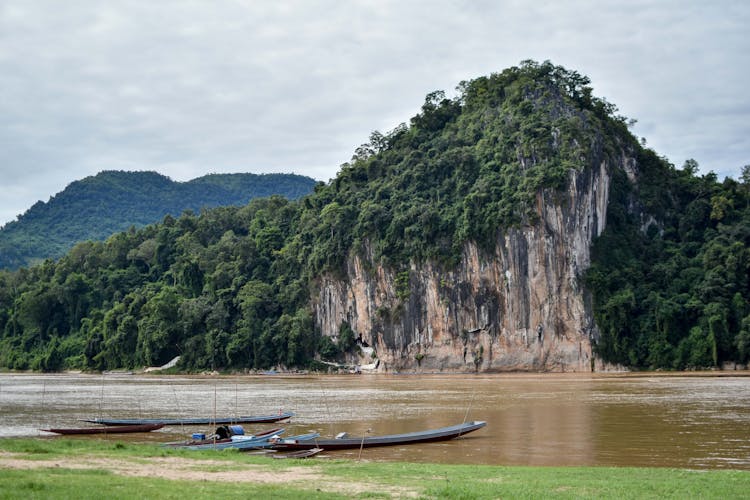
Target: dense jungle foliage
column 98, row 206
column 671, row 284
column 230, row 288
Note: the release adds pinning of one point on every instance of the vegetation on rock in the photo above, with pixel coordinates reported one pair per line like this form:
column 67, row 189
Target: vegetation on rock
column 671, row 282
column 230, row 288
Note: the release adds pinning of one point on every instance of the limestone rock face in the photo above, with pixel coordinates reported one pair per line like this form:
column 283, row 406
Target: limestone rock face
column 521, row 308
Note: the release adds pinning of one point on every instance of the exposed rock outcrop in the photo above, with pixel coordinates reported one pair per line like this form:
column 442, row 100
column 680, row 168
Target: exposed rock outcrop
column 521, row 308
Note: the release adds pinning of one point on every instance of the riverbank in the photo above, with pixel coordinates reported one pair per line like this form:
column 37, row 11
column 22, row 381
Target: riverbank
column 75, row 468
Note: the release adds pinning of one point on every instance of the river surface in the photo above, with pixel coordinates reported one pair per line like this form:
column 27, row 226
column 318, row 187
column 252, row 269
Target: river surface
column 656, row 420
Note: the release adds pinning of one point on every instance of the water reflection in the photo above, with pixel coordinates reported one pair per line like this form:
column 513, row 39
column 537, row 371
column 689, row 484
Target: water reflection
column 675, row 421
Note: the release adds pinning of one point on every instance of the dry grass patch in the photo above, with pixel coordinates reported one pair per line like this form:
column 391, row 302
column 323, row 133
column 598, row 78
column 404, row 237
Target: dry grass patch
column 188, row 469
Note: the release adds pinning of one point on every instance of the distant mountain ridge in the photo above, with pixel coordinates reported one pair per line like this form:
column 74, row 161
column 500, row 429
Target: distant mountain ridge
column 98, row 206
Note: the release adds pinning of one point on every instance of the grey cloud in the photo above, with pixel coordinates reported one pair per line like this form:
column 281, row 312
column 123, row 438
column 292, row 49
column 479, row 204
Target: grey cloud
column 190, row 88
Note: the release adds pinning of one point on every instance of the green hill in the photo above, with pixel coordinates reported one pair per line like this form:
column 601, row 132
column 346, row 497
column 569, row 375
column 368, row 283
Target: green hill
column 112, row 201
column 231, row 288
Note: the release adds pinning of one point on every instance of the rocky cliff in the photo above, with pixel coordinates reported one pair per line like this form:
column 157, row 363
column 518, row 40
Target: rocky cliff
column 521, row 308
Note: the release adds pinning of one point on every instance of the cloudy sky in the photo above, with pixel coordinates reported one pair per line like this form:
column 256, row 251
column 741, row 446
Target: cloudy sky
column 193, row 87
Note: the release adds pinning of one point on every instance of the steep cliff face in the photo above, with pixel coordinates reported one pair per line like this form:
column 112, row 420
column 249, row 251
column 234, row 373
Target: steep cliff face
column 521, row 308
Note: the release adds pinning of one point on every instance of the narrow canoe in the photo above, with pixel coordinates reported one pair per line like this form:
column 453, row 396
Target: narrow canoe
column 442, row 434
column 257, row 419
column 115, row 429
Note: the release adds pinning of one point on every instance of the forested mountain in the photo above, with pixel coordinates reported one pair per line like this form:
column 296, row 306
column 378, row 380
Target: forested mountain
column 518, row 225
column 111, row 201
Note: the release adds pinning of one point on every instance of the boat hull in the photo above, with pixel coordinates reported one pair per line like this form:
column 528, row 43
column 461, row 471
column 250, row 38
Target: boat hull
column 115, row 429
column 256, row 419
column 442, row 434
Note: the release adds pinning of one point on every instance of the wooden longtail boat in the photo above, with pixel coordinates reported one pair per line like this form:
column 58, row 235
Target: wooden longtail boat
column 442, row 434
column 114, row 429
column 258, row 419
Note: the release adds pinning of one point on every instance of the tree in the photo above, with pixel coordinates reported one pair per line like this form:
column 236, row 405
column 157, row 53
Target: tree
column 742, row 341
column 690, row 167
column 745, row 175
column 52, row 361
column 158, row 332
column 745, row 180
column 346, row 337
column 720, row 205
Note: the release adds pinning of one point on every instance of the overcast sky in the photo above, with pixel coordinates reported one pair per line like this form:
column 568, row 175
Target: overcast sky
column 187, row 88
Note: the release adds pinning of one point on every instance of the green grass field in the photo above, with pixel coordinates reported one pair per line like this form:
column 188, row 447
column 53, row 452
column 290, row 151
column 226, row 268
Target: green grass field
column 81, row 469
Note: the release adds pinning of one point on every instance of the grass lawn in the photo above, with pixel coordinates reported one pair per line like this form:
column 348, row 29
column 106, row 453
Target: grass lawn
column 80, row 469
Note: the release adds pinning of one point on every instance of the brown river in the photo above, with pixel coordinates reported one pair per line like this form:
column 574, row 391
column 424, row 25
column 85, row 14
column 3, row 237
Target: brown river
column 699, row 421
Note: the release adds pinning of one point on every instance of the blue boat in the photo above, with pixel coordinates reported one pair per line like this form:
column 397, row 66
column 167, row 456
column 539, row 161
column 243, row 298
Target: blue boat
column 257, row 419
column 223, row 434
column 252, row 443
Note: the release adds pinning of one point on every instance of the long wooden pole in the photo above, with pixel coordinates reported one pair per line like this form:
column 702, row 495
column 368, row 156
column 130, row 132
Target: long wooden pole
column 362, row 444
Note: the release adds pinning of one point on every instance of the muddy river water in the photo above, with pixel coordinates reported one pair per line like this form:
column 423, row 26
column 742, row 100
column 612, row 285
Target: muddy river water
column 660, row 420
